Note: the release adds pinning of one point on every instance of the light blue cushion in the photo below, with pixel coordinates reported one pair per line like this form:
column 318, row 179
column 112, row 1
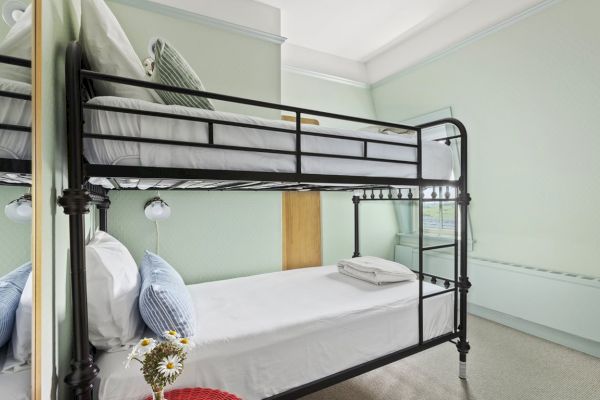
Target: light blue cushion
column 11, row 287
column 165, row 303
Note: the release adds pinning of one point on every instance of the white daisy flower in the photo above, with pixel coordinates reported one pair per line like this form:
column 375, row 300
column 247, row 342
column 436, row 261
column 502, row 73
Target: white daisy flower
column 145, row 346
column 171, row 335
column 185, row 343
column 169, row 366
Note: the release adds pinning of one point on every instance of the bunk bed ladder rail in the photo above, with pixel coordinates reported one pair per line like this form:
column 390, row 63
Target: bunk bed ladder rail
column 461, row 278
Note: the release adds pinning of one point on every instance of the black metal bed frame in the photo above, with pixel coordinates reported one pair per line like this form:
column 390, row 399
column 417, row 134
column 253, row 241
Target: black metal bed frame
column 9, row 164
column 80, row 195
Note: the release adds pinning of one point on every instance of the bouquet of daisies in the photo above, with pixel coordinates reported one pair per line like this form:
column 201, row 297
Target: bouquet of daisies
column 162, row 361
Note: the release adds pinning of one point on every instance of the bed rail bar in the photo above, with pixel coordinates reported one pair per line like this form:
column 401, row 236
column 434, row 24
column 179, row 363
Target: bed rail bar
column 87, row 74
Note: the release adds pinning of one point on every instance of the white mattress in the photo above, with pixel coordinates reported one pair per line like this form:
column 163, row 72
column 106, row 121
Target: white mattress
column 437, row 158
column 16, row 385
column 264, row 334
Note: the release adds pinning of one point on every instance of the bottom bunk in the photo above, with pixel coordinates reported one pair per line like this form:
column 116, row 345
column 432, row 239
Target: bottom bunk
column 261, row 335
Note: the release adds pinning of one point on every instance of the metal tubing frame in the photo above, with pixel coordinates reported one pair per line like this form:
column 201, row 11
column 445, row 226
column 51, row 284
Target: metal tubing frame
column 76, row 201
column 9, row 164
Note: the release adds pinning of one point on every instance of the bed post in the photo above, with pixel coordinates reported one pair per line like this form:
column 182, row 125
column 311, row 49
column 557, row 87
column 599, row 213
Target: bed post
column 464, row 284
column 75, row 202
column 356, row 201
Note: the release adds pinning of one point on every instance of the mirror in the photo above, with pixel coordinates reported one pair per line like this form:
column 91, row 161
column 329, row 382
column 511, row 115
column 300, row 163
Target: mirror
column 16, row 277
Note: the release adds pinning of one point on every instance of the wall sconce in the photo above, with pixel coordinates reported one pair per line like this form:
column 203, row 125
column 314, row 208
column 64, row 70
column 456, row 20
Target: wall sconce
column 19, row 210
column 12, row 11
column 157, row 209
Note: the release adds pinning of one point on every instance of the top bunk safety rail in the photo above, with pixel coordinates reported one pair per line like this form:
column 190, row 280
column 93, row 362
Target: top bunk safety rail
column 80, row 88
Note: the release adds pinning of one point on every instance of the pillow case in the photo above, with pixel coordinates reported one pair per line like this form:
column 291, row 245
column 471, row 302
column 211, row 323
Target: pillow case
column 17, row 43
column 170, row 68
column 22, row 332
column 11, row 287
column 109, row 51
column 113, row 285
column 165, row 303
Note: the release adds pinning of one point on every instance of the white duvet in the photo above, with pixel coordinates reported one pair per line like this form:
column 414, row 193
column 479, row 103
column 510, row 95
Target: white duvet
column 437, row 160
column 261, row 335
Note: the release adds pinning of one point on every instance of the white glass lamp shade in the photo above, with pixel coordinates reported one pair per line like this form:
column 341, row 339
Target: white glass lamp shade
column 19, row 210
column 12, row 11
column 156, row 209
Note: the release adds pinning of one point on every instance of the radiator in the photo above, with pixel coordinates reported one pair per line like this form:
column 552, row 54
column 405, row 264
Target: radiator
column 557, row 306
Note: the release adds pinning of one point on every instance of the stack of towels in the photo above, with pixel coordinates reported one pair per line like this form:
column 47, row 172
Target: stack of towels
column 375, row 270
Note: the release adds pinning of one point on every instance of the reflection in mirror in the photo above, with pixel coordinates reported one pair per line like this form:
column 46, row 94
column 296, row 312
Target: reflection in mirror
column 15, row 200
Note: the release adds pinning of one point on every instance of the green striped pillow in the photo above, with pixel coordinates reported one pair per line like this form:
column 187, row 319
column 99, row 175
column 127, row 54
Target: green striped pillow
column 172, row 69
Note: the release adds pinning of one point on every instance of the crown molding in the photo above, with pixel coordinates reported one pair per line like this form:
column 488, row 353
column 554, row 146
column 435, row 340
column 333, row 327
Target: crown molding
column 327, row 77
column 202, row 19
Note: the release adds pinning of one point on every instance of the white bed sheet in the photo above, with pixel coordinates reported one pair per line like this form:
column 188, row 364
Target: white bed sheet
column 16, row 385
column 437, row 157
column 261, row 335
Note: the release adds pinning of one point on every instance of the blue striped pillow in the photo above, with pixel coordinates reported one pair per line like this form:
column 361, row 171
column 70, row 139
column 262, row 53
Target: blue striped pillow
column 11, row 287
column 165, row 303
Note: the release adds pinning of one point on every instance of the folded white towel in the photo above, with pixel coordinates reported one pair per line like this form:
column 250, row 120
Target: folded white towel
column 375, row 270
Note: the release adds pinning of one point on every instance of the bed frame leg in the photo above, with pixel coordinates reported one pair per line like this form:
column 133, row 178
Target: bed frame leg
column 462, row 370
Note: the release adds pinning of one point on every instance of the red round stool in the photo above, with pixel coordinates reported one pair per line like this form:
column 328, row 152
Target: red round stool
column 198, row 394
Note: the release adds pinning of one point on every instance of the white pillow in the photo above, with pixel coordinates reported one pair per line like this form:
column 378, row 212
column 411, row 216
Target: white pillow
column 113, row 286
column 22, row 336
column 17, row 43
column 108, row 51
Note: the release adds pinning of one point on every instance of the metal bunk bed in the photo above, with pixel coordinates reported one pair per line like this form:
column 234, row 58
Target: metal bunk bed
column 81, row 195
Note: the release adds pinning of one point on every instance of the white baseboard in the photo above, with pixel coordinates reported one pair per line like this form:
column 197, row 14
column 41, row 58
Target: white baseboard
column 553, row 335
column 560, row 307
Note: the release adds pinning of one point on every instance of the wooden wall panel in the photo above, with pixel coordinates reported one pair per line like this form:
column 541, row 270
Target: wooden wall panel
column 301, row 229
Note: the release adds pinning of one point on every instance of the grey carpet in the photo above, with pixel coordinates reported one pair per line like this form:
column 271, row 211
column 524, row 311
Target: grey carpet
column 503, row 364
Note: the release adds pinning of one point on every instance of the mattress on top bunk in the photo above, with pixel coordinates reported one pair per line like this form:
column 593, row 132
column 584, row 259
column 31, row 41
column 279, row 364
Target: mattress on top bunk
column 15, row 144
column 16, row 385
column 261, row 335
column 437, row 157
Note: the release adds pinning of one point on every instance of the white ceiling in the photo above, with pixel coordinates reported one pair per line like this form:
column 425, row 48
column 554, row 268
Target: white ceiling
column 357, row 29
column 367, row 41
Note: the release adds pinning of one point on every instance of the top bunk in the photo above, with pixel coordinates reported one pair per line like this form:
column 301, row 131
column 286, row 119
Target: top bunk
column 15, row 121
column 123, row 143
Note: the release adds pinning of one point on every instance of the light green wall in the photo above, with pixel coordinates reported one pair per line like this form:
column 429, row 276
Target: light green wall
column 377, row 224
column 209, row 236
column 529, row 95
column 305, row 91
column 227, row 62
column 57, row 30
column 15, row 239
column 220, row 235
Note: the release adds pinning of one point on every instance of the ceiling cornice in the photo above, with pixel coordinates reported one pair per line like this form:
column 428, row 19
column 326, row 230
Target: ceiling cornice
column 323, row 76
column 195, row 17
